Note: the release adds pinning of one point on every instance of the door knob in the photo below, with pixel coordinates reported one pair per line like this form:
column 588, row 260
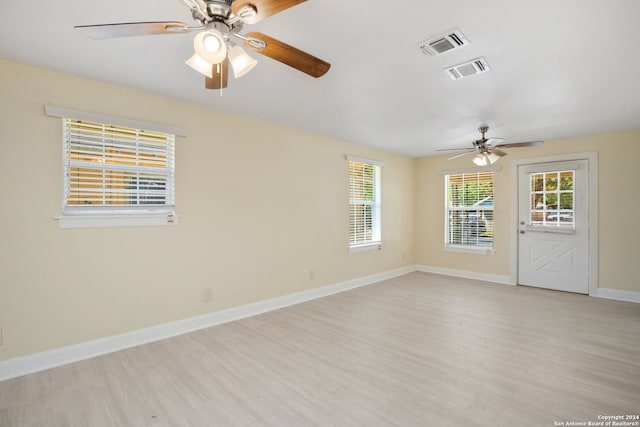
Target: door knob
column 521, row 231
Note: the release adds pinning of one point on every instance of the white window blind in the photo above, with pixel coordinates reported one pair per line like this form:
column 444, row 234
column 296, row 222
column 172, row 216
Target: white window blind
column 469, row 210
column 364, row 203
column 117, row 170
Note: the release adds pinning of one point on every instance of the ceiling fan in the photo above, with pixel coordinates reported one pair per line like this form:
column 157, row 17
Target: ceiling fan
column 221, row 21
column 488, row 149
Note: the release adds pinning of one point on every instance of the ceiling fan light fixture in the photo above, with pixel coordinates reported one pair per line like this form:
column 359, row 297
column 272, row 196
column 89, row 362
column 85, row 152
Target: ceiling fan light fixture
column 211, row 46
column 200, row 65
column 480, row 160
column 492, row 157
column 211, row 43
column 241, row 62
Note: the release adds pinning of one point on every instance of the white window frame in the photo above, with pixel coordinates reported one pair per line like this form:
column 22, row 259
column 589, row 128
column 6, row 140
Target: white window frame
column 77, row 216
column 375, row 241
column 468, row 248
column 545, row 224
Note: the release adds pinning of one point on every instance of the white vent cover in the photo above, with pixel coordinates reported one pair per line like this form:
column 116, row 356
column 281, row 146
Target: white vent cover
column 442, row 43
column 468, row 69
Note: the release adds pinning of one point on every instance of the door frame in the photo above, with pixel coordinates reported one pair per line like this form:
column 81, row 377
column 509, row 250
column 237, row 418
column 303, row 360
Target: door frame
column 592, row 158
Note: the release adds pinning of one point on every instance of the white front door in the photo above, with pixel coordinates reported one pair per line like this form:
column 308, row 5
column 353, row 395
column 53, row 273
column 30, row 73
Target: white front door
column 553, row 225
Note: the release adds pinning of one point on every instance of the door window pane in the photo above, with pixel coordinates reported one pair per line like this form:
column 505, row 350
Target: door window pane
column 552, row 199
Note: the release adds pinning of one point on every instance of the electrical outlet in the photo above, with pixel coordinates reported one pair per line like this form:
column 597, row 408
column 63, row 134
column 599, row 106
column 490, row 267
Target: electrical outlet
column 0, row 335
column 312, row 275
column 206, row 295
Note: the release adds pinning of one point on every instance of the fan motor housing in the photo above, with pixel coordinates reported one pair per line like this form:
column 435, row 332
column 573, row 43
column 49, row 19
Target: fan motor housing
column 220, row 9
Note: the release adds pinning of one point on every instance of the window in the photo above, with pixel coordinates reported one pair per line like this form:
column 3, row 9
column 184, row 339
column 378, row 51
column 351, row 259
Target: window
column 469, row 210
column 364, row 203
column 552, row 198
column 117, row 172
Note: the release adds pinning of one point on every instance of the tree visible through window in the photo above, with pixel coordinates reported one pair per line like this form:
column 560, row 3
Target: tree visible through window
column 364, row 203
column 469, row 210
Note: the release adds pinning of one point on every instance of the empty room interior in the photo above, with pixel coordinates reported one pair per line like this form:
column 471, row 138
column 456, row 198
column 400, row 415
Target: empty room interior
column 319, row 213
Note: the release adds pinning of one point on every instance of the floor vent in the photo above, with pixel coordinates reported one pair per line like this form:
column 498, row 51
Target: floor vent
column 468, row 69
column 442, row 43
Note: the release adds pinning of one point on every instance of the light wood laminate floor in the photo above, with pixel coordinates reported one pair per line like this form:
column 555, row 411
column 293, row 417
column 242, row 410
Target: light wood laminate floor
column 418, row 350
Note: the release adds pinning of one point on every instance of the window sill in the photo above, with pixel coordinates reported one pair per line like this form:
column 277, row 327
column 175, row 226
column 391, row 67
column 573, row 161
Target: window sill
column 366, row 247
column 104, row 221
column 470, row 250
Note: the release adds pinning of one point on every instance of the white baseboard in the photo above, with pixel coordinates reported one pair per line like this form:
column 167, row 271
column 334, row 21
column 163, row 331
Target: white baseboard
column 614, row 294
column 619, row 295
column 496, row 278
column 20, row 366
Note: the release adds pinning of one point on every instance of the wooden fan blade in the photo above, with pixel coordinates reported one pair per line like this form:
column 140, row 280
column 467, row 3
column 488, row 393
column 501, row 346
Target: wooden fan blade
column 497, row 152
column 463, row 154
column 128, row 29
column 263, row 8
column 520, row 144
column 288, row 55
column 220, row 76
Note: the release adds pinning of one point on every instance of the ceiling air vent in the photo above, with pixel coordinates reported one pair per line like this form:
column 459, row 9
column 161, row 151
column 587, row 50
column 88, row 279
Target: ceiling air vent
column 468, row 69
column 442, row 43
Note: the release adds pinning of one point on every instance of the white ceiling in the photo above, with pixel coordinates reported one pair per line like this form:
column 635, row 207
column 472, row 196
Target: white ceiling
column 558, row 68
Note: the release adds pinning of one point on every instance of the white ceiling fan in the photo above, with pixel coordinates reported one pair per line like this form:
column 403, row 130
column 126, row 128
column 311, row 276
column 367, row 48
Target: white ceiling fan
column 488, row 149
column 221, row 22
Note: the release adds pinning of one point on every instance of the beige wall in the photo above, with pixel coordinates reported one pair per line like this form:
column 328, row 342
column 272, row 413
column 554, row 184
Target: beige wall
column 261, row 205
column 618, row 155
